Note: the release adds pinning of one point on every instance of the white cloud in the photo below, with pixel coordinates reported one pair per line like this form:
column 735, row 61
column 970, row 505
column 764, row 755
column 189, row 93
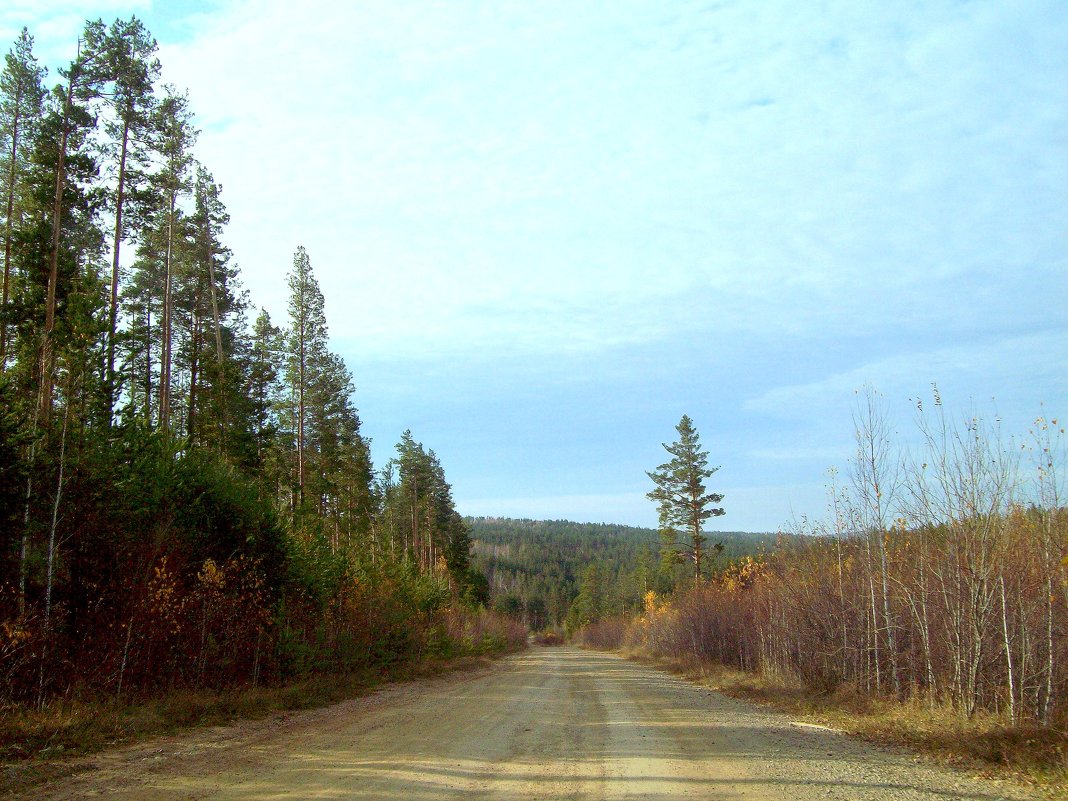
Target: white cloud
column 554, row 176
column 463, row 174
column 678, row 190
column 993, row 367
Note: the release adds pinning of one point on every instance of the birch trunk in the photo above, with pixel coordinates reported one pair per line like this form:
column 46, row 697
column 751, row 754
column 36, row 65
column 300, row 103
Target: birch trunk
column 1008, row 651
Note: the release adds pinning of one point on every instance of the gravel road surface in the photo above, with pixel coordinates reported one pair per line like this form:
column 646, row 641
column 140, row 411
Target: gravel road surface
column 552, row 723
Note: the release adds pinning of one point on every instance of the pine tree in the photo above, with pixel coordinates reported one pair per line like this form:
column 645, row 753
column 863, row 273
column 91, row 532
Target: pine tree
column 132, row 68
column 306, row 350
column 84, row 78
column 413, row 473
column 418, row 517
column 590, row 603
column 21, row 104
column 683, row 502
column 263, row 386
column 172, row 136
column 142, row 301
column 338, row 473
column 207, row 295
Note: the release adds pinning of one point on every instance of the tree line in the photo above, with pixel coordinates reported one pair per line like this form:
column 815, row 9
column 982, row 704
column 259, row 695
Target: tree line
column 558, row 574
column 186, row 497
column 534, row 567
column 940, row 575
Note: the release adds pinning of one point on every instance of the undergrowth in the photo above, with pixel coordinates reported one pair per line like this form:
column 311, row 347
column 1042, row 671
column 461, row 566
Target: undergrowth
column 34, row 744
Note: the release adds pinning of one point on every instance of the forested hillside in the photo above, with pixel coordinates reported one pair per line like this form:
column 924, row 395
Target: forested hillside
column 536, row 568
column 186, row 498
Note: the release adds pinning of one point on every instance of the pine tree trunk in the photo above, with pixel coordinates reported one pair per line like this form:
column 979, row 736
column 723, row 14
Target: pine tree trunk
column 194, row 370
column 165, row 356
column 301, row 378
column 222, row 409
column 50, row 569
column 9, row 232
column 215, row 312
column 697, row 550
column 53, row 264
column 148, row 362
column 113, row 313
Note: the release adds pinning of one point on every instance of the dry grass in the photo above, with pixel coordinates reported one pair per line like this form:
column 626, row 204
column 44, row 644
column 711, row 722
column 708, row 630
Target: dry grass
column 76, row 728
column 985, row 744
column 67, row 728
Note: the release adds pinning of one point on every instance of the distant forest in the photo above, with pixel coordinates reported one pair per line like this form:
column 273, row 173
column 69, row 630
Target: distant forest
column 537, row 568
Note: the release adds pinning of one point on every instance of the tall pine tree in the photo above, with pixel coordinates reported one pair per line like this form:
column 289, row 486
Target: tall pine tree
column 683, row 501
column 307, row 348
column 22, row 96
column 172, row 137
column 132, row 69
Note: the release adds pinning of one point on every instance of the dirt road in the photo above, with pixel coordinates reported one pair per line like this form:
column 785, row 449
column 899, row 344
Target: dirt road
column 548, row 723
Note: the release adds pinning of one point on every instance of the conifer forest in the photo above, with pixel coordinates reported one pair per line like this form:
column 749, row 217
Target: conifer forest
column 186, row 498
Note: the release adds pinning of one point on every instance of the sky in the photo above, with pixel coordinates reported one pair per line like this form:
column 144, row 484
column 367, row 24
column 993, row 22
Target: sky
column 547, row 230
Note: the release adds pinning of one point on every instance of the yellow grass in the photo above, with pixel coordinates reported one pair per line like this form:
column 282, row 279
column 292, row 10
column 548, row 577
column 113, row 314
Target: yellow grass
column 984, row 744
column 34, row 745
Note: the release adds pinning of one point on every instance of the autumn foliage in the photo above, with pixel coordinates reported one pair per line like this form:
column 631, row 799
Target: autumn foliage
column 941, row 577
column 175, row 570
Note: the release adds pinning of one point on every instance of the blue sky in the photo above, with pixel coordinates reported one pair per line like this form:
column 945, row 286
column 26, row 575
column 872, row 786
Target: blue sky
column 547, row 230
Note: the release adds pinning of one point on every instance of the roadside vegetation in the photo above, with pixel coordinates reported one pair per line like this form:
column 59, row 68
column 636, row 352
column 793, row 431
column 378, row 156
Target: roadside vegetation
column 457, row 641
column 930, row 609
